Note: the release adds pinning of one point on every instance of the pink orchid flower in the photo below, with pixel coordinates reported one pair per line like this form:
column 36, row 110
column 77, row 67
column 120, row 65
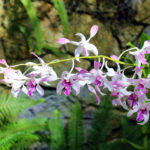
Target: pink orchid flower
column 142, row 112
column 15, row 79
column 140, row 53
column 84, row 46
column 43, row 71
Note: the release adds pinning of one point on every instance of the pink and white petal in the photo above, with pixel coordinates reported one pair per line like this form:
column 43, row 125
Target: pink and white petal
column 114, row 57
column 25, row 90
column 75, row 43
column 92, row 48
column 146, row 118
column 93, row 31
column 132, row 111
column 111, row 71
column 99, row 91
column 97, row 65
column 3, row 61
column 78, row 68
column 115, row 102
column 15, row 92
column 77, row 53
column 41, row 60
column 63, row 41
column 30, row 63
column 81, row 36
column 76, row 87
column 59, row 87
column 124, row 104
column 146, row 44
column 40, row 90
column 91, row 89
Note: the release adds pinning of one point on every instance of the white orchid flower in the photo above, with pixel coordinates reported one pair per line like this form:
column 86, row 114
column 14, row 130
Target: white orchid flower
column 84, row 46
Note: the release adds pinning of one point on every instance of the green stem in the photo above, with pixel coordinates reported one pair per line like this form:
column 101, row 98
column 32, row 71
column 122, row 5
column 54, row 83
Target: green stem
column 83, row 57
column 145, row 137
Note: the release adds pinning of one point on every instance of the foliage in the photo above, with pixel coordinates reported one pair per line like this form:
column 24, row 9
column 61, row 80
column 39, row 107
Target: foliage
column 59, row 5
column 57, row 132
column 76, row 128
column 101, row 125
column 18, row 133
column 37, row 28
column 35, row 22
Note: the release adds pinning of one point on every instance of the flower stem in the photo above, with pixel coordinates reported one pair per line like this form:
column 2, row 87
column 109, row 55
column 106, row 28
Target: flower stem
column 73, row 58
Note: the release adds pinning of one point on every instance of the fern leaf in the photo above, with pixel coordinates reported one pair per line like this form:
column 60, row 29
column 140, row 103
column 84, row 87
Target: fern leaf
column 76, row 128
column 35, row 22
column 10, row 107
column 57, row 132
column 21, row 130
column 101, row 125
column 59, row 5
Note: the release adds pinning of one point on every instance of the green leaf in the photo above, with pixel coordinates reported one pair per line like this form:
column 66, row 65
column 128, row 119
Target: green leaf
column 57, row 132
column 35, row 22
column 132, row 144
column 21, row 130
column 54, row 50
column 130, row 44
column 128, row 60
column 144, row 38
column 76, row 128
column 10, row 107
column 59, row 5
column 24, row 31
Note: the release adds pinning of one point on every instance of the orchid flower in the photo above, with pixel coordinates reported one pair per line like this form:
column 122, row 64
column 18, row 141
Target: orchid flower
column 33, row 85
column 44, row 71
column 84, row 46
column 15, row 79
column 142, row 112
column 66, row 82
column 140, row 53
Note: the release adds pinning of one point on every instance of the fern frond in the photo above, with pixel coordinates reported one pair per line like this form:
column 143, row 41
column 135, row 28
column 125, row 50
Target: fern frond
column 21, row 130
column 76, row 128
column 35, row 22
column 57, row 132
column 10, row 107
column 59, row 5
column 101, row 125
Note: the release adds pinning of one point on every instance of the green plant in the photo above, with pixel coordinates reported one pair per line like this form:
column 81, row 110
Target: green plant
column 16, row 133
column 101, row 125
column 57, row 132
column 59, row 5
column 37, row 28
column 76, row 128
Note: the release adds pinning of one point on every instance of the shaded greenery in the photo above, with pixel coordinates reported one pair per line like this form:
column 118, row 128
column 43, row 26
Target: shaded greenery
column 59, row 5
column 16, row 133
column 57, row 132
column 35, row 22
column 75, row 138
column 37, row 28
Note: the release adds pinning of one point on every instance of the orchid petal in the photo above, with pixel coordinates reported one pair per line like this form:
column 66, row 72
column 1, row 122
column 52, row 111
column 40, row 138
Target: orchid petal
column 3, row 61
column 92, row 48
column 114, row 57
column 40, row 90
column 78, row 51
column 97, row 65
column 63, row 41
column 59, row 87
column 41, row 60
column 93, row 31
column 81, row 36
column 91, row 89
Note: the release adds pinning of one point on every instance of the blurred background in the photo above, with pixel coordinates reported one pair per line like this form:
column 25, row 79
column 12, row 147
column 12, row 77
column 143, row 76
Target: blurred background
column 34, row 26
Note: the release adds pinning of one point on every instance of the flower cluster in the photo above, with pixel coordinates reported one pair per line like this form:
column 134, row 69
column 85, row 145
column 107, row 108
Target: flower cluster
column 129, row 92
